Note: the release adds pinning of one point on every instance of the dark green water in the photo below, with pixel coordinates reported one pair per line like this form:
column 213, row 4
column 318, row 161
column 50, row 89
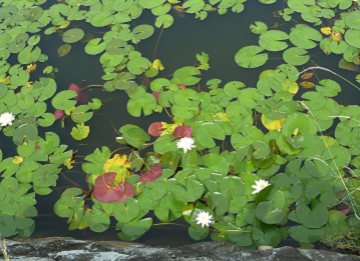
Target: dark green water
column 220, row 36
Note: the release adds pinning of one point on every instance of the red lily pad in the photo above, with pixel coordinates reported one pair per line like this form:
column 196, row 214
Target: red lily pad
column 181, row 85
column 344, row 209
column 155, row 129
column 183, row 131
column 156, row 95
column 38, row 147
column 104, row 191
column 59, row 114
column 82, row 95
column 152, row 174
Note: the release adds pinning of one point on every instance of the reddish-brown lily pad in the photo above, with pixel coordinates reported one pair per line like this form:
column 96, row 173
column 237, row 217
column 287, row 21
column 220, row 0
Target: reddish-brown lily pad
column 344, row 209
column 104, row 191
column 183, row 131
column 181, row 85
column 155, row 129
column 59, row 114
column 156, row 95
column 152, row 174
column 82, row 95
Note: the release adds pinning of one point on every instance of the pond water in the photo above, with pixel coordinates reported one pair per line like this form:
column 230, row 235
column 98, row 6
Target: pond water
column 220, row 36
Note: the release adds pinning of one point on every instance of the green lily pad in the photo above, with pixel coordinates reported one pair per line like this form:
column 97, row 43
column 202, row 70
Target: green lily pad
column 9, row 166
column 135, row 229
column 328, row 88
column 206, row 132
column 47, row 120
column 248, row 57
column 165, row 20
column 303, row 36
column 271, row 40
column 64, row 50
column 143, row 31
column 29, row 55
column 73, row 35
column 25, row 133
column 303, row 124
column 150, row 4
column 265, row 212
column 314, row 218
column 295, row 56
column 26, row 149
column 7, row 225
column 343, row 4
column 138, row 65
column 99, row 222
column 93, row 47
column 187, row 75
column 146, row 104
column 61, row 100
column 22, row 216
column 258, row 28
column 45, row 175
column 301, row 6
column 80, row 132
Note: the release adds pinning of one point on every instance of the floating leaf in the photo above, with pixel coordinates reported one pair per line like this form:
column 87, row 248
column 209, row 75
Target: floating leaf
column 61, row 100
column 258, row 28
column 295, row 56
column 303, row 35
column 183, row 131
column 59, row 114
column 268, row 215
column 326, row 30
column 93, row 47
column 80, row 132
column 271, row 40
column 105, row 191
column 73, row 35
column 248, row 57
column 82, row 95
column 155, row 129
column 307, row 84
column 153, row 173
column 64, row 50
column 314, row 218
column 187, row 75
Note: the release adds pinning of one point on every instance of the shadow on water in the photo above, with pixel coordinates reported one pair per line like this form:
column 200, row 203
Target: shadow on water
column 218, row 36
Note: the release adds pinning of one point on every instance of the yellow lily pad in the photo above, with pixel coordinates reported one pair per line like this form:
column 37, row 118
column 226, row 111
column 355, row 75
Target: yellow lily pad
column 17, row 160
column 158, row 65
column 271, row 124
column 326, row 30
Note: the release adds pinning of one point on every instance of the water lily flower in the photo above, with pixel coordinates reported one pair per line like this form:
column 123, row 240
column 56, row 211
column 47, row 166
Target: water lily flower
column 204, row 218
column 259, row 185
column 6, row 119
column 186, row 143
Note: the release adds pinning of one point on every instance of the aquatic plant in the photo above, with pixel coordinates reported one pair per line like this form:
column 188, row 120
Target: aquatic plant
column 210, row 154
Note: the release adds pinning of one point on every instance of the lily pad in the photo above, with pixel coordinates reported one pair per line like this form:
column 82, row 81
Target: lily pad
column 271, row 40
column 296, row 56
column 64, row 50
column 249, row 57
column 61, row 100
column 73, row 35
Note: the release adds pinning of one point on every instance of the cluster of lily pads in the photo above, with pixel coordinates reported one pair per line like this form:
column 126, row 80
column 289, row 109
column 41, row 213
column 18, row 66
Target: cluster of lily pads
column 208, row 162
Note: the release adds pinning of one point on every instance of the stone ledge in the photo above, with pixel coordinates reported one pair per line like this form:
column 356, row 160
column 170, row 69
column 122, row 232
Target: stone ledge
column 69, row 249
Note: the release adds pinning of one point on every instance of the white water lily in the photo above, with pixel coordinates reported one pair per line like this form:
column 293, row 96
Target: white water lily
column 204, row 219
column 259, row 185
column 186, row 144
column 6, row 119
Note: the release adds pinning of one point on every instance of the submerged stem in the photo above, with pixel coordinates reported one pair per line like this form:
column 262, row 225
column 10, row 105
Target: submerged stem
column 157, row 42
